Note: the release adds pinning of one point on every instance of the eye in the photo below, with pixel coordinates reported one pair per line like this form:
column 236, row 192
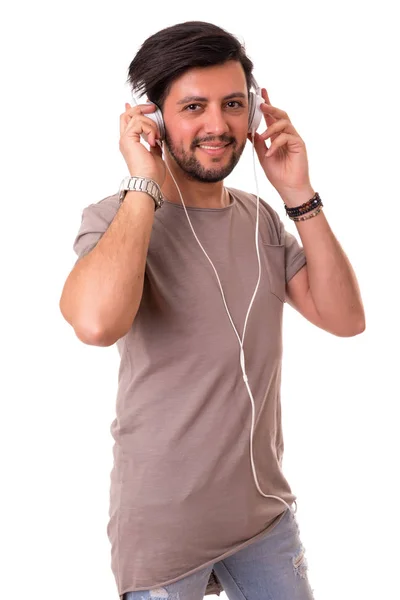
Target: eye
column 240, row 104
column 189, row 105
column 236, row 102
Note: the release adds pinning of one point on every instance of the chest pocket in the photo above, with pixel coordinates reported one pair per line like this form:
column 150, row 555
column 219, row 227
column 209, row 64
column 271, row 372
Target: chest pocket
column 274, row 256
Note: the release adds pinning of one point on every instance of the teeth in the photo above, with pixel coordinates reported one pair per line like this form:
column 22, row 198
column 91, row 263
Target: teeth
column 213, row 147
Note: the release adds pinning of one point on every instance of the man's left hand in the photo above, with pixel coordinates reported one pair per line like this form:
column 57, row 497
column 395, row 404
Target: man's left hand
column 287, row 166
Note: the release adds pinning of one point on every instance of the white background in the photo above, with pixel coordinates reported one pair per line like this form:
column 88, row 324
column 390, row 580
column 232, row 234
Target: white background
column 333, row 67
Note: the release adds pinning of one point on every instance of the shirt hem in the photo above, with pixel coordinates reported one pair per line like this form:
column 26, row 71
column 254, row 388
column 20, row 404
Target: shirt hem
column 248, row 542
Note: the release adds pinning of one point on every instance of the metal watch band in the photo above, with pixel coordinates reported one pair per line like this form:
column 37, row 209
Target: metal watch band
column 141, row 184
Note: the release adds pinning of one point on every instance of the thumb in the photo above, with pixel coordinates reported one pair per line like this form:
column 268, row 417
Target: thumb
column 259, row 145
column 156, row 150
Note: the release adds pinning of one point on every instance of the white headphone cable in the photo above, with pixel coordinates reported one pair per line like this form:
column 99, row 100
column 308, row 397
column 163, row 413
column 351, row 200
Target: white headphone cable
column 242, row 357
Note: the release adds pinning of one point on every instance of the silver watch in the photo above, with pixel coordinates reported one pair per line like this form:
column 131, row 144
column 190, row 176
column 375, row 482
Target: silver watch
column 141, row 184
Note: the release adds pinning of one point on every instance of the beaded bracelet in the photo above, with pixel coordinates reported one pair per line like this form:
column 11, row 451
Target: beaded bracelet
column 315, row 197
column 297, row 212
column 300, row 214
column 306, row 207
column 310, row 216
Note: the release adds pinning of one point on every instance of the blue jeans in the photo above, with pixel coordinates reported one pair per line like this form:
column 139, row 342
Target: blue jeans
column 272, row 568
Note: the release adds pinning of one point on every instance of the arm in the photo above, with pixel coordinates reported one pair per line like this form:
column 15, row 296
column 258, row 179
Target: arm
column 325, row 291
column 101, row 295
column 331, row 296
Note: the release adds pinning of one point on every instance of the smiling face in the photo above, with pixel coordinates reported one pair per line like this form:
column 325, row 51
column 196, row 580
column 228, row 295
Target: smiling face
column 206, row 121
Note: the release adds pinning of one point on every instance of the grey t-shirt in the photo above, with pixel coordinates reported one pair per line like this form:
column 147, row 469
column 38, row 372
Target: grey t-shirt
column 182, row 493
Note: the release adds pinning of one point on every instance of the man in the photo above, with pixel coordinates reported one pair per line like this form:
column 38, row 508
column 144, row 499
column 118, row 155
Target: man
column 186, row 516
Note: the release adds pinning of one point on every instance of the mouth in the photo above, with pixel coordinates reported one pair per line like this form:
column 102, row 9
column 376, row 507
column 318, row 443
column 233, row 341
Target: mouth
column 214, row 150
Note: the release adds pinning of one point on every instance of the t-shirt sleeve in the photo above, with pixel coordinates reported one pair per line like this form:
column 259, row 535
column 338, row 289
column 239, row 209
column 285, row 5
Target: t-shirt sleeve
column 96, row 218
column 295, row 257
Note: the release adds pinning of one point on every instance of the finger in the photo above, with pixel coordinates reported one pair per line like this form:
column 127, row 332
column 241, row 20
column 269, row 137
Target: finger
column 152, row 138
column 277, row 127
column 127, row 117
column 142, row 109
column 156, row 150
column 141, row 125
column 281, row 140
column 264, row 94
column 131, row 111
column 137, row 110
column 273, row 112
column 259, row 145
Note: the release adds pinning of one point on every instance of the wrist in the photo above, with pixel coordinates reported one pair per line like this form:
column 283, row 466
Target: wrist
column 294, row 198
column 139, row 183
column 139, row 201
column 134, row 173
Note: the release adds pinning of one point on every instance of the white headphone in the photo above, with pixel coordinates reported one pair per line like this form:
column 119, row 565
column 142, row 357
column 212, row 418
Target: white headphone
column 254, row 120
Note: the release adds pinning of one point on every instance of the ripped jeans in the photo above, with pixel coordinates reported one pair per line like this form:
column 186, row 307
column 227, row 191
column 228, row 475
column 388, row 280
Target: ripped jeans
column 272, row 568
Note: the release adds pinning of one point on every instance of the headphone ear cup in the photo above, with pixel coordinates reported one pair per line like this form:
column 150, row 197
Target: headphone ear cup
column 157, row 117
column 255, row 113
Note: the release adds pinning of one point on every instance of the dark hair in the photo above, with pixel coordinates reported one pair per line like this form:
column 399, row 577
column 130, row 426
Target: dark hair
column 167, row 54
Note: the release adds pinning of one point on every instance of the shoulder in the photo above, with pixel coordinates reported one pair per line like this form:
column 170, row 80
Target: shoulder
column 268, row 215
column 106, row 208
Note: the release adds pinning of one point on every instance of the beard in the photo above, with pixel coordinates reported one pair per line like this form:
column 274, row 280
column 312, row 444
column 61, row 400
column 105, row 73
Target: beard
column 194, row 170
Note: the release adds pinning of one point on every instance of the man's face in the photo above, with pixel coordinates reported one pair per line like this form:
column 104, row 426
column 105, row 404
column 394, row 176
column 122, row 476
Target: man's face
column 207, row 107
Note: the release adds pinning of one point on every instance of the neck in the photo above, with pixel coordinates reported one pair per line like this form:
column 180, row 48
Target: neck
column 195, row 194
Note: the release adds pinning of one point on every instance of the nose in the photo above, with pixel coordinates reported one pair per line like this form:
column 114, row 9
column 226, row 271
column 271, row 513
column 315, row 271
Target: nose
column 215, row 123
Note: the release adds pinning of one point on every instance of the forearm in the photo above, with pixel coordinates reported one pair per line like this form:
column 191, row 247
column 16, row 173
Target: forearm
column 102, row 293
column 333, row 284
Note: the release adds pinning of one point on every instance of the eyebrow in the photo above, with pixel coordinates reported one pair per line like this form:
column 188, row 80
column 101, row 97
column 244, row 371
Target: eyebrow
column 204, row 99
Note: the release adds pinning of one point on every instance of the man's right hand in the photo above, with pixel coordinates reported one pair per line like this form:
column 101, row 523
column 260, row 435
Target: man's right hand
column 140, row 161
